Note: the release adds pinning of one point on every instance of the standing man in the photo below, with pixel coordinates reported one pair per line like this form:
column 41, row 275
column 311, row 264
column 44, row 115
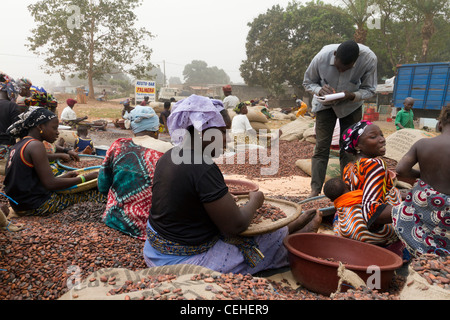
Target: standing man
column 350, row 68
column 230, row 101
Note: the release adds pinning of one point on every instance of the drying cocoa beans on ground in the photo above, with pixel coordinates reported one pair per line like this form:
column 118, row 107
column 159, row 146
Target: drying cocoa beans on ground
column 288, row 153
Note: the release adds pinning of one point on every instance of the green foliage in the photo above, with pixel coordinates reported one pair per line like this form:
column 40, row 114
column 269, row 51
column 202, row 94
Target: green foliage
column 198, row 72
column 89, row 38
column 281, row 43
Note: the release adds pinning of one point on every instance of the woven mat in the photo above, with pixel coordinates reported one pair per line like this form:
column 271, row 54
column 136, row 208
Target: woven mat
column 91, row 184
column 291, row 209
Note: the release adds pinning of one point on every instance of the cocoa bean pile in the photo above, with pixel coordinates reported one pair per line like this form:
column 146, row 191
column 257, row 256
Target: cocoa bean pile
column 83, row 163
column 39, row 262
column 433, row 268
column 289, row 153
column 268, row 212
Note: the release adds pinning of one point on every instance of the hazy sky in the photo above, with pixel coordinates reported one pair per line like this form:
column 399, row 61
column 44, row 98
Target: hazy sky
column 209, row 30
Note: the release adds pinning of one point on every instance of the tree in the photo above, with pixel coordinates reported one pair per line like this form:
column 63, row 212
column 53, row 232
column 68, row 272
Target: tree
column 282, row 42
column 198, row 72
column 89, row 38
column 429, row 10
column 359, row 10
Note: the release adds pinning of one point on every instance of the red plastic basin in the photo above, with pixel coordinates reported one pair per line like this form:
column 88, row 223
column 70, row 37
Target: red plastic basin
column 240, row 187
column 308, row 251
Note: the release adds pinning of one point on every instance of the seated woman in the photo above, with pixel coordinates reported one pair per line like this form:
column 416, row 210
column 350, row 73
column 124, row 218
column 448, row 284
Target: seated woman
column 126, row 175
column 29, row 179
column 370, row 221
column 193, row 218
column 243, row 132
column 422, row 221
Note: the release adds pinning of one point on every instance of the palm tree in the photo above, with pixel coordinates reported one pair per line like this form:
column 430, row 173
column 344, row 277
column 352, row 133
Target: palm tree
column 359, row 10
column 429, row 10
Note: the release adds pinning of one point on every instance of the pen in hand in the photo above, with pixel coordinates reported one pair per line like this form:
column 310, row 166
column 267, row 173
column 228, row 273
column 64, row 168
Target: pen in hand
column 326, row 89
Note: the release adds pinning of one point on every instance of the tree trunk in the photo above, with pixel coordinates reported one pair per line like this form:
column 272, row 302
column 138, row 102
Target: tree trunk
column 360, row 34
column 91, row 62
column 427, row 32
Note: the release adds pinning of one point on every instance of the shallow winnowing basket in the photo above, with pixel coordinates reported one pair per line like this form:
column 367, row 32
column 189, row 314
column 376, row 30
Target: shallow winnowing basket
column 291, row 209
column 91, row 184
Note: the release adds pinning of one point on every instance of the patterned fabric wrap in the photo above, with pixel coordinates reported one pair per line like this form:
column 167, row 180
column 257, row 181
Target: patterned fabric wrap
column 349, row 223
column 246, row 245
column 58, row 202
column 371, row 176
column 126, row 176
column 422, row 221
column 351, row 136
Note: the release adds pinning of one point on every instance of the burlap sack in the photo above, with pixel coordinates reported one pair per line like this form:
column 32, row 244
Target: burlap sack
column 333, row 168
column 294, row 130
column 255, row 115
column 401, row 141
column 69, row 136
column 417, row 287
column 259, row 126
column 92, row 288
column 157, row 106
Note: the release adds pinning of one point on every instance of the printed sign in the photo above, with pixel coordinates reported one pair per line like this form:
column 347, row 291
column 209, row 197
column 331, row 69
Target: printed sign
column 145, row 88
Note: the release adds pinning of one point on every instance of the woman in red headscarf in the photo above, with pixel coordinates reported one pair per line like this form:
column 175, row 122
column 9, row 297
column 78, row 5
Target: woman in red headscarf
column 68, row 116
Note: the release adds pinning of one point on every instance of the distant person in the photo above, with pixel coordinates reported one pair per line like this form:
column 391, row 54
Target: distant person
column 145, row 101
column 350, row 68
column 163, row 117
column 230, row 101
column 68, row 115
column 405, row 117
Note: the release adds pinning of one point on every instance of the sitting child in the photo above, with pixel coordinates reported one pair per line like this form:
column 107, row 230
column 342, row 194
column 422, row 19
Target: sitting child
column 83, row 144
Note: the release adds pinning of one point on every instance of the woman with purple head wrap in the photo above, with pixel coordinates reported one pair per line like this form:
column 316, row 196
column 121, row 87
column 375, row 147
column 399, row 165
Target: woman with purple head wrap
column 194, row 219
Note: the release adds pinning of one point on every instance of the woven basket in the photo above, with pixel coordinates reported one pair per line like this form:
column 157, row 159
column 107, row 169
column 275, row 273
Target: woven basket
column 291, row 209
column 91, row 184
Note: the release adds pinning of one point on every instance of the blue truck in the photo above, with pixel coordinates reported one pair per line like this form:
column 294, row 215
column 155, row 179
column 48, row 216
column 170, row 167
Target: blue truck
column 427, row 83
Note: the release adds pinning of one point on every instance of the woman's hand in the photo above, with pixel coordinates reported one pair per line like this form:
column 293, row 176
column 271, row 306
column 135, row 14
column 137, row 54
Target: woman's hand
column 64, row 157
column 91, row 175
column 257, row 197
column 70, row 174
column 73, row 155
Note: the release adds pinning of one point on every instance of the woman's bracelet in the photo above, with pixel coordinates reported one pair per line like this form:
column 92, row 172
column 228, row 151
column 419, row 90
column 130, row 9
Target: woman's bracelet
column 83, row 179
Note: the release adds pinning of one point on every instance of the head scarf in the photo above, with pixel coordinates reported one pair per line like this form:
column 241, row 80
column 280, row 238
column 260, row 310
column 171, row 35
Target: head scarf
column 30, row 119
column 71, row 102
column 143, row 118
column 239, row 107
column 352, row 134
column 23, row 83
column 226, row 88
column 41, row 98
column 200, row 112
column 8, row 85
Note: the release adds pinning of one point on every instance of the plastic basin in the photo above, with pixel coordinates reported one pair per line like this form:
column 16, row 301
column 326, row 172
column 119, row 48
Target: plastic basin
column 308, row 253
column 241, row 187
